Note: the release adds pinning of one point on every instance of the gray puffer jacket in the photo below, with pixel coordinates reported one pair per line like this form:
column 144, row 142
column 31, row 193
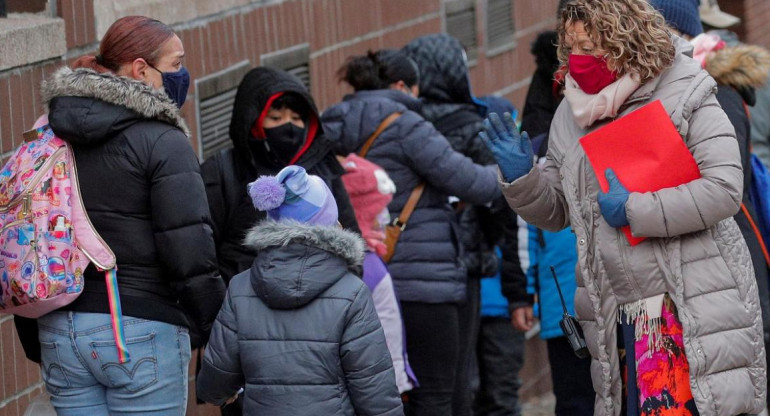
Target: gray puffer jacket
column 300, row 331
column 695, row 251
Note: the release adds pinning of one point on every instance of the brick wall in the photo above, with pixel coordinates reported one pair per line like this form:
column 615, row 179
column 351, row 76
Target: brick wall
column 756, row 17
column 333, row 29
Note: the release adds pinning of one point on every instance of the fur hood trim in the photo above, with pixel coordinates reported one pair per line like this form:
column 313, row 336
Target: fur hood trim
column 342, row 243
column 739, row 66
column 125, row 92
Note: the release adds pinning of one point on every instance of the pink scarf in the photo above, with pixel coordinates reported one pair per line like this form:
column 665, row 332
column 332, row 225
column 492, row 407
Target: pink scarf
column 588, row 108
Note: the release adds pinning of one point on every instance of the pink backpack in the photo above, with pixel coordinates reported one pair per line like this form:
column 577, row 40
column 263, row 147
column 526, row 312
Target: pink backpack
column 46, row 238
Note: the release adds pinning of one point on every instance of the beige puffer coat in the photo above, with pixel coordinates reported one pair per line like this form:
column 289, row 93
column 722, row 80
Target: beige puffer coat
column 696, row 252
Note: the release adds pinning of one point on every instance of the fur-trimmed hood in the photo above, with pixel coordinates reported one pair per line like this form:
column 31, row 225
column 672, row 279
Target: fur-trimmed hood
column 740, row 66
column 297, row 262
column 113, row 95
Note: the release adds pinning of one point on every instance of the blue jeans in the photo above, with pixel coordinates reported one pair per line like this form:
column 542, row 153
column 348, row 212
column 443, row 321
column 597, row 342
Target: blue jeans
column 82, row 374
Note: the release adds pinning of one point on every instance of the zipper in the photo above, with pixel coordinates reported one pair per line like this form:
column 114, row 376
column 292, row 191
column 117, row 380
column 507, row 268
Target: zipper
column 76, row 191
column 33, row 182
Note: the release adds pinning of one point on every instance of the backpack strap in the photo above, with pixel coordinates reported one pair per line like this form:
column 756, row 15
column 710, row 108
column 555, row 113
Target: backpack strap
column 383, row 125
column 116, row 314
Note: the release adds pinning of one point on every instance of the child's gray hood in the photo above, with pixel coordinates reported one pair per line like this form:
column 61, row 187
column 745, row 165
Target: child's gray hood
column 297, row 262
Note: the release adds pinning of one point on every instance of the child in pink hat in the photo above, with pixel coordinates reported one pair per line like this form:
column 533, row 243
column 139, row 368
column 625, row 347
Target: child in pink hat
column 371, row 190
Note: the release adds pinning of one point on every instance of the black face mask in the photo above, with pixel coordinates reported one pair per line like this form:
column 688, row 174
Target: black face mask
column 284, row 141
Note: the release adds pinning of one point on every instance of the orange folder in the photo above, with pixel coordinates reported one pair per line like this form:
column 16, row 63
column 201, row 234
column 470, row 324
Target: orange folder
column 645, row 151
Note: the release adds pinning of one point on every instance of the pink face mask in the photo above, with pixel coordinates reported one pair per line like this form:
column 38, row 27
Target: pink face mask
column 590, row 72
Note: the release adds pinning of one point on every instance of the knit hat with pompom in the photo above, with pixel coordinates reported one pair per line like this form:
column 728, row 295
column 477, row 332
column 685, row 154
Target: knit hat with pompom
column 292, row 194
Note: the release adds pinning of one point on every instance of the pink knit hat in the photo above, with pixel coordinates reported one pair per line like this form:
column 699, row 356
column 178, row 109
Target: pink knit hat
column 370, row 190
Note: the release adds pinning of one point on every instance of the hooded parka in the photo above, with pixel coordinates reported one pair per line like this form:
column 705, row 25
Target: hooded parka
column 227, row 173
column 695, row 251
column 299, row 330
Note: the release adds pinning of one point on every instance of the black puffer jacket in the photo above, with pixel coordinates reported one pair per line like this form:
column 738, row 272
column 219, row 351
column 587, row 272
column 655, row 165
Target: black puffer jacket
column 299, row 330
column 425, row 266
column 227, row 173
column 449, row 104
column 542, row 99
column 141, row 186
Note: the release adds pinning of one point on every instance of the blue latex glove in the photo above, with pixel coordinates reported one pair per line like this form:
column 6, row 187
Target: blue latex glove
column 613, row 203
column 513, row 151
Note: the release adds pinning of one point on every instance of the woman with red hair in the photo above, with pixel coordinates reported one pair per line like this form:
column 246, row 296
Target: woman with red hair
column 141, row 186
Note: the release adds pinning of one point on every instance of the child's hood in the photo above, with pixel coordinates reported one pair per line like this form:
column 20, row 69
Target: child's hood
column 298, row 262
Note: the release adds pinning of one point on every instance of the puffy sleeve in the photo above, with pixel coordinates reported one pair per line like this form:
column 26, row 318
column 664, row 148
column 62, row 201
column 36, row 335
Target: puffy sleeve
column 699, row 204
column 538, row 197
column 432, row 157
column 366, row 361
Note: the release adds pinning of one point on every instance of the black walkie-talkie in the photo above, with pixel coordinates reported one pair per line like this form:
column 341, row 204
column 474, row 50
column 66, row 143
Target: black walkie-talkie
column 570, row 326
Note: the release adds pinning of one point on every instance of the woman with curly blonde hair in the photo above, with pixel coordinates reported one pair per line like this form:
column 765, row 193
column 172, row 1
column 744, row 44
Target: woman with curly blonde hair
column 673, row 324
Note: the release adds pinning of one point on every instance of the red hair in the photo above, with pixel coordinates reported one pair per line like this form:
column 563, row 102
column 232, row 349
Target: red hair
column 129, row 38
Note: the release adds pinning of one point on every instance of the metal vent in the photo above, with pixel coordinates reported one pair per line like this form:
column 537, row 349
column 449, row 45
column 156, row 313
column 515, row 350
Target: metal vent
column 500, row 29
column 302, row 72
column 460, row 16
column 294, row 60
column 215, row 95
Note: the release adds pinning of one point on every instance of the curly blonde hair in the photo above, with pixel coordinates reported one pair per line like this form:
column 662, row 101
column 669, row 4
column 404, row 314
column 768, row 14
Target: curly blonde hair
column 632, row 32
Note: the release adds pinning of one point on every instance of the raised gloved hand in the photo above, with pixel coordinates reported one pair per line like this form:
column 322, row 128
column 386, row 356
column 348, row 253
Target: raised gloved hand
column 513, row 151
column 613, row 203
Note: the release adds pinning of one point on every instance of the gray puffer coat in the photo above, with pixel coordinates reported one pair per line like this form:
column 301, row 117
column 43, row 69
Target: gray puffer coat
column 695, row 251
column 300, row 331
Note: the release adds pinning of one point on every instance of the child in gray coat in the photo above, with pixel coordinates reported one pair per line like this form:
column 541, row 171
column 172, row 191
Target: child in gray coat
column 298, row 331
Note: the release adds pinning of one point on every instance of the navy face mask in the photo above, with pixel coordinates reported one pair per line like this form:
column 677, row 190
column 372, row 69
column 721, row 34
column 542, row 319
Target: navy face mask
column 176, row 84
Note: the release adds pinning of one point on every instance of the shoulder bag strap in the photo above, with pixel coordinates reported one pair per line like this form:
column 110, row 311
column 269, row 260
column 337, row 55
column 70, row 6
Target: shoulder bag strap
column 411, row 203
column 383, row 125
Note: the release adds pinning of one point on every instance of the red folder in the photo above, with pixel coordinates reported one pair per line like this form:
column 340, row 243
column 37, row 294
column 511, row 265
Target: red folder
column 645, row 151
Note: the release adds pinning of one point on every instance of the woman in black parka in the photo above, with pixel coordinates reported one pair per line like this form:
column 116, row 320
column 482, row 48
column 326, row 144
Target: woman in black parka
column 266, row 95
column 141, row 187
column 428, row 274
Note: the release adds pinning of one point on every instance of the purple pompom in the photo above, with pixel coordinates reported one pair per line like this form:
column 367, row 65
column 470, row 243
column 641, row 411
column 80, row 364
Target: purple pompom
column 267, row 193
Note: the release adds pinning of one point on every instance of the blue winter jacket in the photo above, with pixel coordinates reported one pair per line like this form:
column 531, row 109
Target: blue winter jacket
column 425, row 266
column 548, row 249
column 493, row 303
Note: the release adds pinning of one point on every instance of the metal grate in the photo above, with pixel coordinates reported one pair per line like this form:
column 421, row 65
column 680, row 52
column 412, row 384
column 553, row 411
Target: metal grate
column 215, row 95
column 460, row 16
column 500, row 28
column 215, row 114
column 294, row 60
column 302, row 72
